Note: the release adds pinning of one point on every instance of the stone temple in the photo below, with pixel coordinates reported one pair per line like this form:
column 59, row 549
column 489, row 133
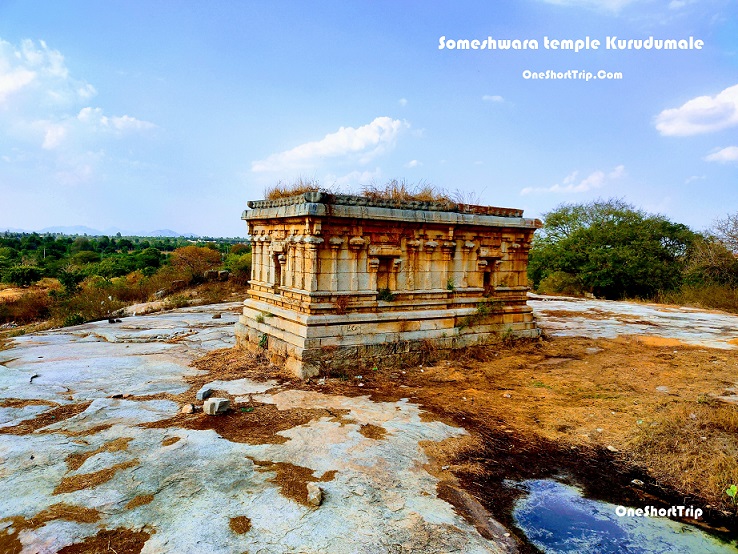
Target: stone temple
column 341, row 281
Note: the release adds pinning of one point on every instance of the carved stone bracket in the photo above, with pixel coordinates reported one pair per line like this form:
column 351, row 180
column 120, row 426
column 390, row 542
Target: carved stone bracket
column 357, row 243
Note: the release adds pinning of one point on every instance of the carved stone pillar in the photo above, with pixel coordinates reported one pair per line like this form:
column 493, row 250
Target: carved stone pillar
column 356, row 244
column 412, row 263
column 311, row 244
column 429, row 248
column 335, row 244
column 467, row 261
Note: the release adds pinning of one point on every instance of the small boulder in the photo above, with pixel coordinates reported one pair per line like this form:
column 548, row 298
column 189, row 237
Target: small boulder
column 217, row 316
column 188, row 409
column 216, row 406
column 315, row 494
column 223, row 275
column 204, row 393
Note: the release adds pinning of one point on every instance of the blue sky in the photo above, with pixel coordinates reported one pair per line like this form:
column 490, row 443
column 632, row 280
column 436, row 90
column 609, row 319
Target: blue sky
column 173, row 114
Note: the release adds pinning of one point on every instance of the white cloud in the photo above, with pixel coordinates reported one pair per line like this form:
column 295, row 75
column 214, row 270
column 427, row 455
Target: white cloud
column 364, row 142
column 694, row 178
column 413, row 163
column 13, row 80
column 724, row 156
column 53, row 136
column 43, row 121
column 495, row 98
column 572, row 184
column 353, row 180
column 95, row 117
column 402, row 102
column 704, row 114
column 601, row 5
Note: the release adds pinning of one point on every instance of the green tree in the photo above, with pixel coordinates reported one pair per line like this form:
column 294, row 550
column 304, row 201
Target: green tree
column 611, row 249
column 193, row 261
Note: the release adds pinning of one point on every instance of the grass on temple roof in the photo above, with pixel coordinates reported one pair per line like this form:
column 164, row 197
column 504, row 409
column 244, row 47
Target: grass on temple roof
column 394, row 190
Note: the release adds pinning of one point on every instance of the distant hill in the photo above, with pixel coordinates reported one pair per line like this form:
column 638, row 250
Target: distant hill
column 110, row 232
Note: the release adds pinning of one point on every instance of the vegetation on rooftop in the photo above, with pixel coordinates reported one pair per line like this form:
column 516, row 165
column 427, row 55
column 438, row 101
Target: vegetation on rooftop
column 394, row 191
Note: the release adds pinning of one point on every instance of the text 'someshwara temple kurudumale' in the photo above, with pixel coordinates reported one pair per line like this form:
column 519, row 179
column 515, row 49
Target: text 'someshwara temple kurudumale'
column 341, row 281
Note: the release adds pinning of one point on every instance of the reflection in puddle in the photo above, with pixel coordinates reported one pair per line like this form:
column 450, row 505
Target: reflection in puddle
column 556, row 518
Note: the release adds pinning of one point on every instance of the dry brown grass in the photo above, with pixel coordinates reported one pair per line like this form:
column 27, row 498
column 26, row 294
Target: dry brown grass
column 140, row 500
column 169, row 441
column 581, row 395
column 75, row 461
column 9, row 536
column 240, row 525
column 284, row 190
column 371, row 431
column 119, row 541
column 401, row 191
column 47, row 418
column 91, row 480
column 250, row 423
column 293, row 479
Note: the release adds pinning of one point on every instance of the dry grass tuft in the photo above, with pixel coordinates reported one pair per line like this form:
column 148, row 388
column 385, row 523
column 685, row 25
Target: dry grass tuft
column 169, row 441
column 401, row 191
column 284, row 190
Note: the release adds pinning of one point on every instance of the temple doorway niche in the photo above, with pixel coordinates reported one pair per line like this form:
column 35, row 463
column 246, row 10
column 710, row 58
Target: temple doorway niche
column 277, row 273
column 383, row 274
column 487, row 283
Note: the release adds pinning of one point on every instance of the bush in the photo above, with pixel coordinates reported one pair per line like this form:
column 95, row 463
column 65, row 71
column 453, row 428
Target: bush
column 22, row 275
column 240, row 267
column 560, row 282
column 27, row 308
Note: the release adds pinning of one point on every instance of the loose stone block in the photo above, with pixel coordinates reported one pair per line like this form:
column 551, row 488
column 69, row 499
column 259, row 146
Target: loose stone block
column 204, row 393
column 314, row 494
column 350, row 281
column 216, row 406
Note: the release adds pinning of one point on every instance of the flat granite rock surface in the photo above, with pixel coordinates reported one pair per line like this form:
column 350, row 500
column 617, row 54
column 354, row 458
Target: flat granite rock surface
column 113, row 466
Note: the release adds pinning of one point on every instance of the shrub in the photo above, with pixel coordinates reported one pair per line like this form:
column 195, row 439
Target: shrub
column 560, row 282
column 240, row 267
column 22, row 275
column 29, row 307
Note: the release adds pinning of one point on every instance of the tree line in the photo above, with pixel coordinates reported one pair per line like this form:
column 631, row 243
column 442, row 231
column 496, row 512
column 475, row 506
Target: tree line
column 611, row 249
column 85, row 278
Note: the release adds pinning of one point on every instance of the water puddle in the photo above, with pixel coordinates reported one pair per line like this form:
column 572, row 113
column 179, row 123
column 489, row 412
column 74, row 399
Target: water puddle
column 557, row 518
